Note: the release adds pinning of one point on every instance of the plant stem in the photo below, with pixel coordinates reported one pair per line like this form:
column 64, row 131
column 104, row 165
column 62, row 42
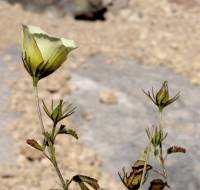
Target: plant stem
column 53, row 161
column 38, row 108
column 162, row 161
column 145, row 163
column 53, row 131
column 55, row 164
column 160, row 120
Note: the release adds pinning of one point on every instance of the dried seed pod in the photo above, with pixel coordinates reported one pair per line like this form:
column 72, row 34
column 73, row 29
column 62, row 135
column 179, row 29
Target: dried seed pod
column 132, row 180
column 158, row 184
column 176, row 149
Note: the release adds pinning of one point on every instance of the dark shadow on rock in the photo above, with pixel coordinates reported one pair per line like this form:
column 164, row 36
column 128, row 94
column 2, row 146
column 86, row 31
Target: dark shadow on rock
column 90, row 10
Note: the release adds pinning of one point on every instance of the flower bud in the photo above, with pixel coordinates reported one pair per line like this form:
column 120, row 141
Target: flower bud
column 161, row 99
column 163, row 95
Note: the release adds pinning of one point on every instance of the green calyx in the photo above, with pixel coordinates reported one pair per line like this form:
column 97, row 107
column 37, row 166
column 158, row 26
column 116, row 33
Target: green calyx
column 59, row 111
column 161, row 99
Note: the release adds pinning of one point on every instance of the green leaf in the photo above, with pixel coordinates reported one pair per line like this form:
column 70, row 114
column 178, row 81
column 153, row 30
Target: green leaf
column 156, row 152
column 46, row 109
column 57, row 112
column 47, row 136
column 71, row 132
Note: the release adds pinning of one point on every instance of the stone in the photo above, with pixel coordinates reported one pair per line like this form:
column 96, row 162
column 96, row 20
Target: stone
column 116, row 5
column 125, row 13
column 86, row 116
column 21, row 160
column 108, row 97
column 7, row 58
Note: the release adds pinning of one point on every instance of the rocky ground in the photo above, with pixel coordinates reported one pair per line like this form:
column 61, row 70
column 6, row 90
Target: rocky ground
column 139, row 47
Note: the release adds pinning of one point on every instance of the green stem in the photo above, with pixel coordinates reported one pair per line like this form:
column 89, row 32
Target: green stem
column 55, row 164
column 145, row 163
column 38, row 108
column 53, row 131
column 68, row 183
column 160, row 120
column 53, row 157
column 160, row 146
column 51, row 150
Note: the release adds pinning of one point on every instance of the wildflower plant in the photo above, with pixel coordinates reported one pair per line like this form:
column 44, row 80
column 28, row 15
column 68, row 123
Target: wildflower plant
column 42, row 55
column 138, row 175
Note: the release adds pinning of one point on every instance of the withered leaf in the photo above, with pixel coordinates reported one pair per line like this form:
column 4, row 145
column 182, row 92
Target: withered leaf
column 158, row 184
column 34, row 144
column 175, row 149
column 81, row 180
column 71, row 132
column 132, row 180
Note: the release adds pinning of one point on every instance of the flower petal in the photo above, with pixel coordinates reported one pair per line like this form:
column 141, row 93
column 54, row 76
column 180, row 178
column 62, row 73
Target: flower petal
column 69, row 44
column 55, row 61
column 29, row 46
column 47, row 45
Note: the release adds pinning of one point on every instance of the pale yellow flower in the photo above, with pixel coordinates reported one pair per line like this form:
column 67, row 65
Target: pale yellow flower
column 42, row 54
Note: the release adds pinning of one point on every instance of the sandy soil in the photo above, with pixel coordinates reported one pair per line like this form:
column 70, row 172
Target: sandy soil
column 151, row 32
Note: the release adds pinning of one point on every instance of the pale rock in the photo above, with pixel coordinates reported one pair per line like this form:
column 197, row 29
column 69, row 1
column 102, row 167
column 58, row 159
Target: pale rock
column 72, row 87
column 116, row 5
column 136, row 17
column 125, row 13
column 7, row 58
column 174, row 45
column 33, row 188
column 21, row 160
column 160, row 54
column 86, row 116
column 195, row 81
column 108, row 97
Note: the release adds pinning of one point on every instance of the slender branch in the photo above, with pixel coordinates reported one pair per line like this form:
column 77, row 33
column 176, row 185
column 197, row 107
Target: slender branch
column 45, row 155
column 156, row 171
column 55, row 164
column 145, row 163
column 162, row 160
column 68, row 183
column 53, row 132
column 52, row 160
column 38, row 108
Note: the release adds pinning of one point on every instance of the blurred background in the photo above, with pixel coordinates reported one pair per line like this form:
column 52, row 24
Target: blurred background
column 124, row 46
